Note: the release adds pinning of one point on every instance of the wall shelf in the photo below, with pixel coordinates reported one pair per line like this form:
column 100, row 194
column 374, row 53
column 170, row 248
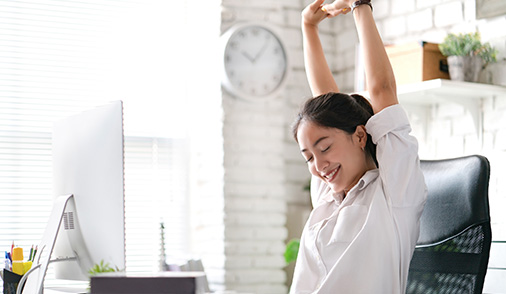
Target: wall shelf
column 437, row 91
column 469, row 95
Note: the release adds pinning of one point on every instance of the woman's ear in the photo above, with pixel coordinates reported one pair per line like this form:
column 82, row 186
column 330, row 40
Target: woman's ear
column 361, row 135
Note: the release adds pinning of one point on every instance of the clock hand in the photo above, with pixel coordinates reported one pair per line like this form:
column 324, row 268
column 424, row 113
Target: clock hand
column 245, row 54
column 261, row 51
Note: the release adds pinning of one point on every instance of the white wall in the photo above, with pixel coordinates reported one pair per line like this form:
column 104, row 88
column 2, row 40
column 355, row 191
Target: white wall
column 247, row 242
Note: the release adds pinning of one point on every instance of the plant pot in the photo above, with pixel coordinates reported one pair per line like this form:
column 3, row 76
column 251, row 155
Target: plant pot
column 465, row 68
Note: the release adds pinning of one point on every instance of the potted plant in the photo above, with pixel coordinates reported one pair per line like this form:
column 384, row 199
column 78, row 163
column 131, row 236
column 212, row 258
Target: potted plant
column 467, row 56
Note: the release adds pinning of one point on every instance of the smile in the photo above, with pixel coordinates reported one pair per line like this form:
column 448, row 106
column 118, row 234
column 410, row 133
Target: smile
column 330, row 176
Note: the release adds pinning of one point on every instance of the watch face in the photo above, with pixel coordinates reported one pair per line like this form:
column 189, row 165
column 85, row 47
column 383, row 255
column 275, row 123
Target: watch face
column 255, row 62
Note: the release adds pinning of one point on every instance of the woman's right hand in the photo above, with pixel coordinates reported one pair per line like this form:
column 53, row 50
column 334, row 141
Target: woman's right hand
column 313, row 14
column 337, row 7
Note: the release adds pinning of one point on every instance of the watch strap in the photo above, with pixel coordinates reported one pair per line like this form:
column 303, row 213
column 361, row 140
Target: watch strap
column 360, row 2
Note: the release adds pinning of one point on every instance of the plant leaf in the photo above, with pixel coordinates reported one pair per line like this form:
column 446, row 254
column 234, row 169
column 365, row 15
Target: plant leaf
column 292, row 250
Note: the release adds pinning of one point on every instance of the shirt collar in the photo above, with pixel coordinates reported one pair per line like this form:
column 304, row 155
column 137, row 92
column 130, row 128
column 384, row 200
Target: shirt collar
column 367, row 178
column 364, row 181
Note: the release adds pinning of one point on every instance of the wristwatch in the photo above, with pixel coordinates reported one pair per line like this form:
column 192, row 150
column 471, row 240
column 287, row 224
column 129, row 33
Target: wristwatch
column 360, row 2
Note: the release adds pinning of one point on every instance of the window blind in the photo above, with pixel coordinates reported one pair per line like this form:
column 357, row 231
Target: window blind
column 155, row 176
column 59, row 57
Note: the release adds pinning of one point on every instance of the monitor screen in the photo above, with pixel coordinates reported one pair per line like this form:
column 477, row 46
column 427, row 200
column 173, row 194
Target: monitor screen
column 88, row 162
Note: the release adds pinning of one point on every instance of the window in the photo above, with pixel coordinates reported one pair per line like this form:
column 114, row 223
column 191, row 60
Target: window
column 155, row 169
column 58, row 57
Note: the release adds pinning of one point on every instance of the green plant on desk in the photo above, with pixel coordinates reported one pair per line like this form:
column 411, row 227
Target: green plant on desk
column 102, row 267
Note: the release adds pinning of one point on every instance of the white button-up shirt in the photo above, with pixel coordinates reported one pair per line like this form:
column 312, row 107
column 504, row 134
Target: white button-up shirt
column 363, row 243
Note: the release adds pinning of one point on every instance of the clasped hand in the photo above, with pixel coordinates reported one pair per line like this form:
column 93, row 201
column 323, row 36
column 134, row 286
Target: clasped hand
column 315, row 12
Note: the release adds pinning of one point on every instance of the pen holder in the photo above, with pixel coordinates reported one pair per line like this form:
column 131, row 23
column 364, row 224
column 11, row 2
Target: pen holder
column 11, row 281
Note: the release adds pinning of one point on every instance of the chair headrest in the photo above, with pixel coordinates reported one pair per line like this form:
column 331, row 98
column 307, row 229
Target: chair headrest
column 457, row 197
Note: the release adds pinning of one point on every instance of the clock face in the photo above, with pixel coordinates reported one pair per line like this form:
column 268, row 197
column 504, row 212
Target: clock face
column 255, row 62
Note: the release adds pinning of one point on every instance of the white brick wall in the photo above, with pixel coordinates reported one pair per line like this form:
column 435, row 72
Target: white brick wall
column 420, row 20
column 394, row 27
column 448, row 14
column 255, row 215
column 420, row 4
column 402, row 6
column 254, row 204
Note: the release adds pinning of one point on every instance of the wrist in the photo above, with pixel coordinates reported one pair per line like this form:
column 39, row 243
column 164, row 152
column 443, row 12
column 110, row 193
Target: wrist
column 309, row 25
column 360, row 3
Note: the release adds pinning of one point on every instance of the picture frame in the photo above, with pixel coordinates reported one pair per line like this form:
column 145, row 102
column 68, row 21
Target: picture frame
column 490, row 8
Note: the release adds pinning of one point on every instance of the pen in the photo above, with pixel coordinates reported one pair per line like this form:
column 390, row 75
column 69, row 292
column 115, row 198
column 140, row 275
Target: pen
column 30, row 256
column 8, row 262
column 35, row 251
column 12, row 248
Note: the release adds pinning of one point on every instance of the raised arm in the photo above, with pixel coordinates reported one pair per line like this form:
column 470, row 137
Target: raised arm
column 379, row 75
column 318, row 72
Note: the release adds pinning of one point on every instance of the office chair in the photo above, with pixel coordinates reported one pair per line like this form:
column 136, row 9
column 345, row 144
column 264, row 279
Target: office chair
column 452, row 251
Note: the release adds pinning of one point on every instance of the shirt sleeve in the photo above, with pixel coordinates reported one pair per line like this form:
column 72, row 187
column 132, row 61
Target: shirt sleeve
column 319, row 190
column 397, row 154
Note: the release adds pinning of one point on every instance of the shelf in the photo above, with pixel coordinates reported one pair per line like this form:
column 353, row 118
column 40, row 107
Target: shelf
column 469, row 95
column 437, row 91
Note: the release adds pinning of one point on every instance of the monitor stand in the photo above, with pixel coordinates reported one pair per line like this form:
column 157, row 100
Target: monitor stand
column 33, row 280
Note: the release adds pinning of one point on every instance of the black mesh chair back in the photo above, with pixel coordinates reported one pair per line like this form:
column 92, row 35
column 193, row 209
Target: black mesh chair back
column 452, row 251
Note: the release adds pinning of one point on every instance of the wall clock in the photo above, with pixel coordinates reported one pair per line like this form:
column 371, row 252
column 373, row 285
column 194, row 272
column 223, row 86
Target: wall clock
column 254, row 61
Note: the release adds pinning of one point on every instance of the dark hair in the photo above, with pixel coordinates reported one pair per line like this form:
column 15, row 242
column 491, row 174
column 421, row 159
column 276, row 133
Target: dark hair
column 338, row 110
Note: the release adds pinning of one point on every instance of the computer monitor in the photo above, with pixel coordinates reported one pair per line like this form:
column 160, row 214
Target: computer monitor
column 88, row 163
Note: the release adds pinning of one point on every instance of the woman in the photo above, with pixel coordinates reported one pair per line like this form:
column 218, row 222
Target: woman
column 367, row 188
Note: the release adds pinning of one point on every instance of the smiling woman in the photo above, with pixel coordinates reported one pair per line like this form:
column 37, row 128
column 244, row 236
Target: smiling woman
column 331, row 156
column 367, row 186
column 340, row 113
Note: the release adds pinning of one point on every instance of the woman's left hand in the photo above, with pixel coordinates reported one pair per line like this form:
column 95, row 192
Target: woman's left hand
column 313, row 14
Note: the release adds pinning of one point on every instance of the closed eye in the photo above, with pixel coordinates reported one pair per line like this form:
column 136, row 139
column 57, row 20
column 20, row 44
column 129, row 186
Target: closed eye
column 326, row 149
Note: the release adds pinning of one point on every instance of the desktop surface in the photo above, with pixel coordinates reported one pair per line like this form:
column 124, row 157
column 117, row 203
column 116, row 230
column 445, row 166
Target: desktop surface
column 65, row 290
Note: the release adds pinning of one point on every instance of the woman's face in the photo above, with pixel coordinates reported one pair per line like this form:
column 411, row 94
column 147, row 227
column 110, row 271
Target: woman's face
column 333, row 155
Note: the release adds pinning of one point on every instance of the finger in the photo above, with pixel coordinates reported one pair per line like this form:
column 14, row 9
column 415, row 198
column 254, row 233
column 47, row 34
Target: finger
column 335, row 8
column 316, row 5
column 329, row 8
column 333, row 15
column 346, row 10
column 336, row 12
